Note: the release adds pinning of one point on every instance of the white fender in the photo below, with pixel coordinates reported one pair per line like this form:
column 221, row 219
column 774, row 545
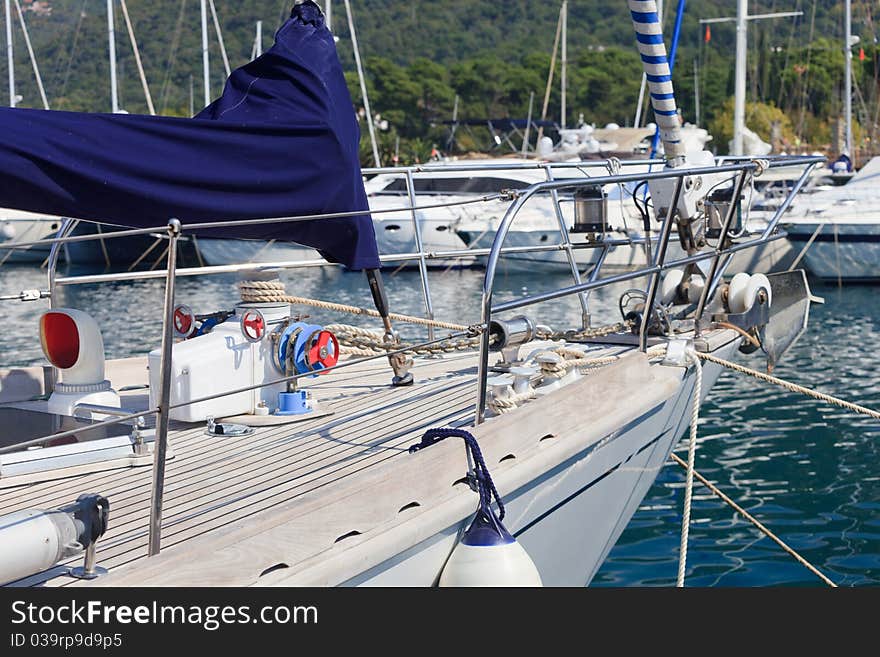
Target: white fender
column 488, row 555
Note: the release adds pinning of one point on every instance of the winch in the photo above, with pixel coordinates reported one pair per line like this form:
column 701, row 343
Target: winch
column 254, row 344
column 301, row 348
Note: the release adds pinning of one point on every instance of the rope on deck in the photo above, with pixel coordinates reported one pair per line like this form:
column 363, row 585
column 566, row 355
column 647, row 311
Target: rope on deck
column 273, row 291
column 356, row 341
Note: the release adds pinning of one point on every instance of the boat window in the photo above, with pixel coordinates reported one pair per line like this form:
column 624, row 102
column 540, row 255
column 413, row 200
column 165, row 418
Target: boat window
column 469, row 185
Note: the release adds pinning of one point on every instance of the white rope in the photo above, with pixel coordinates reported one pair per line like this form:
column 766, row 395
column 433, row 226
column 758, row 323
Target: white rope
column 793, row 387
column 757, row 523
column 574, row 358
column 356, row 341
column 689, row 484
column 501, row 405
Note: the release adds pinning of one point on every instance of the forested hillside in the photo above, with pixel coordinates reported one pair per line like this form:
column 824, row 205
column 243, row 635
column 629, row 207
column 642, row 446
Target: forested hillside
column 421, row 54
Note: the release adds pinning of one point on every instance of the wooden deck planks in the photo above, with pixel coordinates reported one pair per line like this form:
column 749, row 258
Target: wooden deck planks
column 211, row 484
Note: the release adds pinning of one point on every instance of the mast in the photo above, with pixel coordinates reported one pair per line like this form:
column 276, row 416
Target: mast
column 206, row 62
column 564, row 59
column 111, row 37
column 258, row 50
column 33, row 58
column 360, row 71
column 220, row 38
column 328, row 14
column 137, row 59
column 847, row 93
column 13, row 101
column 739, row 107
column 525, row 145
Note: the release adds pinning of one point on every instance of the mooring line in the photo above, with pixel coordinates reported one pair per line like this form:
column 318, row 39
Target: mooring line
column 757, row 523
column 689, row 466
column 793, row 387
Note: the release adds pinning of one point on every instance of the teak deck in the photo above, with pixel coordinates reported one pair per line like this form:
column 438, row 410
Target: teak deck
column 222, row 493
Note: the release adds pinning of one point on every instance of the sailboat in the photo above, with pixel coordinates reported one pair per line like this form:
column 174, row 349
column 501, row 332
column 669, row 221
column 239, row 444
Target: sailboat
column 283, row 455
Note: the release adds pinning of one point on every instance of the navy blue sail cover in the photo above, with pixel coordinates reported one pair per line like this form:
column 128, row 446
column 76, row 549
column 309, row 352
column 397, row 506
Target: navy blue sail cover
column 281, row 141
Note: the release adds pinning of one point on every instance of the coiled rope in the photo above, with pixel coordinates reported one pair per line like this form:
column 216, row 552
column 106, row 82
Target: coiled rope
column 793, row 387
column 689, row 480
column 502, row 405
column 570, row 359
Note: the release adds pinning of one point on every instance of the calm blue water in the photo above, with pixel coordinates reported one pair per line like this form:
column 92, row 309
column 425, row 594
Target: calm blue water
column 810, row 472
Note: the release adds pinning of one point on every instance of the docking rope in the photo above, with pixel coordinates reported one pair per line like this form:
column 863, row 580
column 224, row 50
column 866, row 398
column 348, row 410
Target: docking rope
column 689, row 485
column 358, row 341
column 569, row 359
column 793, row 387
column 273, row 291
column 502, row 405
column 757, row 523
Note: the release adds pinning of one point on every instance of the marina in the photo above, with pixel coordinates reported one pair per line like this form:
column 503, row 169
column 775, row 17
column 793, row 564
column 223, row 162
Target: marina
column 573, row 366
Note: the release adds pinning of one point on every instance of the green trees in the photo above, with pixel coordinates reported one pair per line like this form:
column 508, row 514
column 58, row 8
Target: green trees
column 420, row 55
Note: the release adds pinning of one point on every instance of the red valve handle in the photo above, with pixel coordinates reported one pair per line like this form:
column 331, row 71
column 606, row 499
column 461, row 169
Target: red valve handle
column 324, row 351
column 256, row 325
column 183, row 320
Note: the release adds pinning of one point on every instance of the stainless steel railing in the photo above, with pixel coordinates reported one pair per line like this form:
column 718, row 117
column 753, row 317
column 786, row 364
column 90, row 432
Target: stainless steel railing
column 654, row 269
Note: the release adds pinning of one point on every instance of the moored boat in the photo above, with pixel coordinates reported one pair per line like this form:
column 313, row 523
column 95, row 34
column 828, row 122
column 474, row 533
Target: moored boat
column 289, row 449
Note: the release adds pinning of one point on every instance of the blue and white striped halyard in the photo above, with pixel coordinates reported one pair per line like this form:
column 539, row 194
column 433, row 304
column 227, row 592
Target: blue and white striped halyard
column 649, row 37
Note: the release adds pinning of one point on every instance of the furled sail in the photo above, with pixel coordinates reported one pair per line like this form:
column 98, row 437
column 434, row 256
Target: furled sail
column 281, row 141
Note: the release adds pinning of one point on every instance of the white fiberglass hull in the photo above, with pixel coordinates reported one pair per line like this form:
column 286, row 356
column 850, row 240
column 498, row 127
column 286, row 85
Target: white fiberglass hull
column 18, row 226
column 570, row 517
column 393, row 235
column 849, row 252
column 234, row 252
